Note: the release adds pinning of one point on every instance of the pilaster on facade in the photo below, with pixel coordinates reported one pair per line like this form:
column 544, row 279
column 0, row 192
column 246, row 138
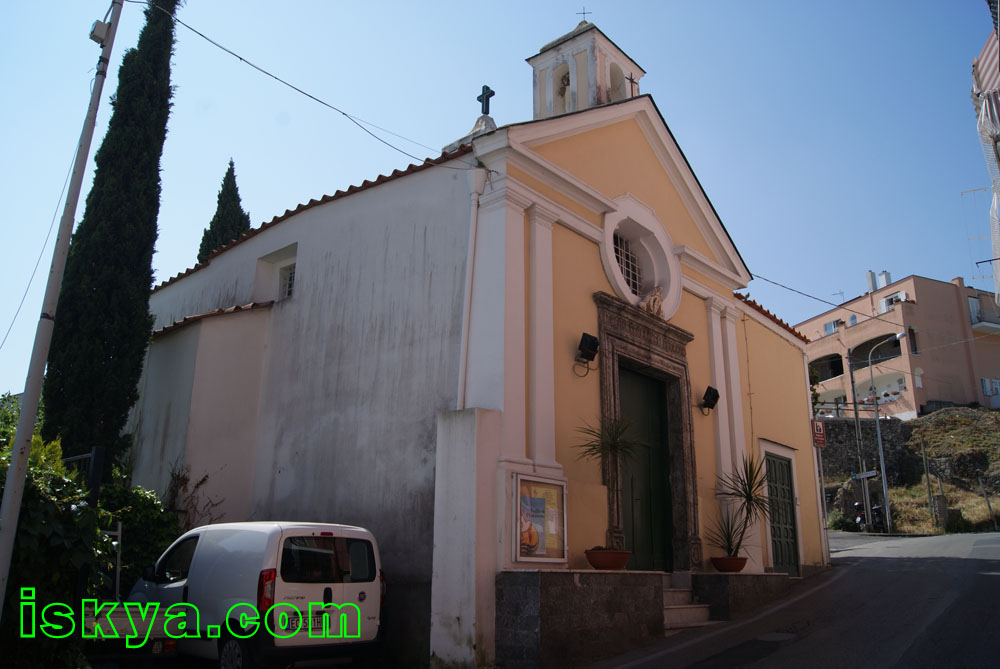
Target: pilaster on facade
column 714, row 308
column 734, row 385
column 541, row 367
column 515, row 353
column 485, row 367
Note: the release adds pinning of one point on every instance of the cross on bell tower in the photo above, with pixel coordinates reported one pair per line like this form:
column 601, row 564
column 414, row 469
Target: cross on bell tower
column 632, row 83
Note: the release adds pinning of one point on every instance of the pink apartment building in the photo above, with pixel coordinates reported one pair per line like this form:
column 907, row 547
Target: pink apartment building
column 949, row 356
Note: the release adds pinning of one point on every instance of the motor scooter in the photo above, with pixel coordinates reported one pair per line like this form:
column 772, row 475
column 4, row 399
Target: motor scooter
column 860, row 522
column 878, row 524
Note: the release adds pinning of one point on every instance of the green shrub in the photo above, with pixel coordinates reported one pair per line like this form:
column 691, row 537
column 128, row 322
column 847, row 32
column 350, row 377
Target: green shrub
column 835, row 520
column 57, row 537
column 147, row 528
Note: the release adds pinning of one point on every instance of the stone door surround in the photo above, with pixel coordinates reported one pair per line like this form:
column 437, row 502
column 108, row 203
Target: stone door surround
column 633, row 338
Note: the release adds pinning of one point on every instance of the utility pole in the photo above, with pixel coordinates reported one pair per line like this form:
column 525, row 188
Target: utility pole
column 878, row 432
column 103, row 34
column 857, row 437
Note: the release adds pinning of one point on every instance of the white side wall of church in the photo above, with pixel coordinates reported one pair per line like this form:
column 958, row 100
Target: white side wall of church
column 159, row 422
column 358, row 360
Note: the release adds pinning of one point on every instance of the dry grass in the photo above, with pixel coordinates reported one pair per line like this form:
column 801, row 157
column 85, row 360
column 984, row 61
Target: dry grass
column 957, row 429
column 911, row 516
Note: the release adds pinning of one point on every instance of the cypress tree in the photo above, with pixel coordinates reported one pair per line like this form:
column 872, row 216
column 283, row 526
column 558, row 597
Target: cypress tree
column 103, row 324
column 229, row 222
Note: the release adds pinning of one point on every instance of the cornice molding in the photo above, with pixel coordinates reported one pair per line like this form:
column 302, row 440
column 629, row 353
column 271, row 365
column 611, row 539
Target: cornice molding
column 559, row 213
column 542, row 215
column 518, row 195
column 558, row 179
column 715, row 304
column 711, row 269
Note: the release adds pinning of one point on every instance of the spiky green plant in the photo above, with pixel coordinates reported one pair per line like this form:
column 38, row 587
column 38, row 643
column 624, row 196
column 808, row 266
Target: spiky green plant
column 746, row 489
column 610, row 439
column 726, row 533
column 609, row 442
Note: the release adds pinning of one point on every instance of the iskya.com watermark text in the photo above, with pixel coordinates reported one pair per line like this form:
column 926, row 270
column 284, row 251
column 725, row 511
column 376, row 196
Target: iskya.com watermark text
column 181, row 620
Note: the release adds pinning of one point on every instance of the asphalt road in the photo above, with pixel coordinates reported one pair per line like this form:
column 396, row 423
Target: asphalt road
column 887, row 602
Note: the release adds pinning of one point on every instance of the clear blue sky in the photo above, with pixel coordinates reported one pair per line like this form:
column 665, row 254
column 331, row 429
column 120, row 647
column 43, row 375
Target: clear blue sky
column 832, row 137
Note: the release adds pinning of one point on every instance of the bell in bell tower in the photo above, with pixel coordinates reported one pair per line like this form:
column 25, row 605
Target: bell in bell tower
column 580, row 70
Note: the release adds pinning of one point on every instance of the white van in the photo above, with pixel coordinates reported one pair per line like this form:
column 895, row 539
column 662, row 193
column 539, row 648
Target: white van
column 270, row 591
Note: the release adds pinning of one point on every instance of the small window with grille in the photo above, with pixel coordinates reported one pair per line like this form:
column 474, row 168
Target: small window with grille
column 286, row 281
column 628, row 263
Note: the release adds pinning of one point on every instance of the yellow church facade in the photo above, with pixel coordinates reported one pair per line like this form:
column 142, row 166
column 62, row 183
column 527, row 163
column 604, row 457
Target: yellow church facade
column 419, row 355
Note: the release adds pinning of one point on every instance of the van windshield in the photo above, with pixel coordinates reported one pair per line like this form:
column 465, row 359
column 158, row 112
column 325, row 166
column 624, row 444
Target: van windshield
column 327, row 560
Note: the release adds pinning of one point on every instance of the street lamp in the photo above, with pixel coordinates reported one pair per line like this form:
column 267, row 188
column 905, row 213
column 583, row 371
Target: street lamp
column 878, row 429
column 857, row 437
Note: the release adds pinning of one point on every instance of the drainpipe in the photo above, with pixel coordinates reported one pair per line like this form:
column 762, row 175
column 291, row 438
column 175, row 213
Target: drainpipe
column 477, row 183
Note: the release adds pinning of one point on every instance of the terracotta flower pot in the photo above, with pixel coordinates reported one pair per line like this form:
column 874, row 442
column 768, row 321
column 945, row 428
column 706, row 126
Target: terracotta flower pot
column 729, row 565
column 607, row 559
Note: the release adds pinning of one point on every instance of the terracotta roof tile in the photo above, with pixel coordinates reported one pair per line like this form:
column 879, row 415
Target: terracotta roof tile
column 771, row 316
column 188, row 320
column 366, row 184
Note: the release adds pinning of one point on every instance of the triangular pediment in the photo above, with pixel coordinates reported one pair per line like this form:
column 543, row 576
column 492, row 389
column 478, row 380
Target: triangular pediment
column 626, row 149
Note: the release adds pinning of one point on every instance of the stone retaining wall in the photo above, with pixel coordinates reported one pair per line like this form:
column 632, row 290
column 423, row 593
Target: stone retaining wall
column 840, row 457
column 569, row 618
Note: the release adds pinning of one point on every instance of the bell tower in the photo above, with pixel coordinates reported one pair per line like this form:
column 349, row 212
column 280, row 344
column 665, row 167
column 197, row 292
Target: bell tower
column 580, row 70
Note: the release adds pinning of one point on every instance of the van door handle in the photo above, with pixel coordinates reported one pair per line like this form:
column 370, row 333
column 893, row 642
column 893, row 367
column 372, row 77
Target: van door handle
column 327, row 595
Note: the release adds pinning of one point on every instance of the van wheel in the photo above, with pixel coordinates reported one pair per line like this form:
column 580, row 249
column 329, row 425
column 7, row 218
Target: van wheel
column 235, row 654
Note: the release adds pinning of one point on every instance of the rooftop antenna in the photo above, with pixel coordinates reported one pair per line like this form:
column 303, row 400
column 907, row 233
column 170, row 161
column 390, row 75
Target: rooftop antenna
column 841, row 293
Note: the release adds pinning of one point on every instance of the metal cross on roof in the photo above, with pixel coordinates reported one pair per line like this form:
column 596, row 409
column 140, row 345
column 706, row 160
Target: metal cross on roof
column 485, row 98
column 585, row 12
column 632, row 83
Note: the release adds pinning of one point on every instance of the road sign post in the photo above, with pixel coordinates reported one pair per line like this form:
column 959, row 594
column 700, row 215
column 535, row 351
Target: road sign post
column 819, row 433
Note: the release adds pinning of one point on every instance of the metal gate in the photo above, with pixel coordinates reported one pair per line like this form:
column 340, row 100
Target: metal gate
column 784, row 540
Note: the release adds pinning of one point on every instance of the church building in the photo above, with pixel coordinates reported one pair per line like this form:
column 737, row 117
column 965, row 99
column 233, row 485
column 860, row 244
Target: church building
column 422, row 355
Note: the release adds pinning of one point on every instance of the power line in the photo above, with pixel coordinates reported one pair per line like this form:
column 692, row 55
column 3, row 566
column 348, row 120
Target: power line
column 353, row 119
column 41, row 252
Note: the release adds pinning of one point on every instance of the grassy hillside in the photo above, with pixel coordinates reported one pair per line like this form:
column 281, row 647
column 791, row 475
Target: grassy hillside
column 962, row 435
column 956, row 429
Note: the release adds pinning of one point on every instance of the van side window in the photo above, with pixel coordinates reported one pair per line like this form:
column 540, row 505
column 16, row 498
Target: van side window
column 327, row 560
column 362, row 561
column 175, row 564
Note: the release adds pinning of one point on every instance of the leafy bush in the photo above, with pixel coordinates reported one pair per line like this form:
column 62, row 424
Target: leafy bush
column 835, row 520
column 10, row 407
column 147, row 528
column 58, row 535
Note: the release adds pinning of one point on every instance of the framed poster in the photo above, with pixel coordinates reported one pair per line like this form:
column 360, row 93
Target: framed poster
column 540, row 516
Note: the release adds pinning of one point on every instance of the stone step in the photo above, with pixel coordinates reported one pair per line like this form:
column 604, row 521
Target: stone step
column 670, row 631
column 684, row 615
column 677, row 580
column 676, row 596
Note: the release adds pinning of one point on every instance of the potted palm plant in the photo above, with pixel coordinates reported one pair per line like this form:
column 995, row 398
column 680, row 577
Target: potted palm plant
column 610, row 444
column 745, row 503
